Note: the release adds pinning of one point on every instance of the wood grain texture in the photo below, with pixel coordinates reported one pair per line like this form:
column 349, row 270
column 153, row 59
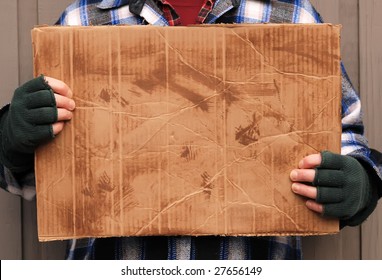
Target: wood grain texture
column 344, row 12
column 10, row 207
column 49, row 11
column 27, row 19
column 27, row 13
column 370, row 13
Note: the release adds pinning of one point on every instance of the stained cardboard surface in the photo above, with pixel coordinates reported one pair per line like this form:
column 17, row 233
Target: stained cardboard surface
column 186, row 130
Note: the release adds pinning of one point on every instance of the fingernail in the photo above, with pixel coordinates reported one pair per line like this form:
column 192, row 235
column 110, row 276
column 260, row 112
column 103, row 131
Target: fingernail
column 293, row 175
column 295, row 188
column 309, row 203
column 72, row 105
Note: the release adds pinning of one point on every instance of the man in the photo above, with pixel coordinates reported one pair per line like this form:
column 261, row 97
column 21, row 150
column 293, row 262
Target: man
column 39, row 109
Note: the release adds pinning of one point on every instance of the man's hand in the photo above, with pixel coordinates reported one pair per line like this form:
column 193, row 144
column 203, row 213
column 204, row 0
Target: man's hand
column 336, row 186
column 37, row 113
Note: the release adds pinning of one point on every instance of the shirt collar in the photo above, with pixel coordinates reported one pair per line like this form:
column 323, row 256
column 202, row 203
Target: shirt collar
column 136, row 6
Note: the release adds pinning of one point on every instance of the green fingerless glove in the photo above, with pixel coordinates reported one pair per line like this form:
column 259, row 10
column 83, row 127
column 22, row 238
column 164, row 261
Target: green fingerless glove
column 26, row 123
column 345, row 188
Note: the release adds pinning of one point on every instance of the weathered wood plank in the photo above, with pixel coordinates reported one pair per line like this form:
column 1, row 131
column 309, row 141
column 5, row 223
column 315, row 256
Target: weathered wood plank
column 10, row 207
column 344, row 12
column 49, row 11
column 370, row 13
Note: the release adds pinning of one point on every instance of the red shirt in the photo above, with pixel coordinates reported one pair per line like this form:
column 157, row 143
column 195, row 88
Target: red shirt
column 187, row 10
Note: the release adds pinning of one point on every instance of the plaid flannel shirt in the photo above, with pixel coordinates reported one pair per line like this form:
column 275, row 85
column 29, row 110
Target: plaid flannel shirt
column 159, row 12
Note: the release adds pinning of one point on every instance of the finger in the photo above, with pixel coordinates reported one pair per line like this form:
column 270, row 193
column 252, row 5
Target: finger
column 314, row 206
column 329, row 178
column 329, row 195
column 59, row 87
column 41, row 98
column 64, row 102
column 45, row 115
column 302, row 175
column 58, row 127
column 304, row 190
column 64, row 115
column 310, row 161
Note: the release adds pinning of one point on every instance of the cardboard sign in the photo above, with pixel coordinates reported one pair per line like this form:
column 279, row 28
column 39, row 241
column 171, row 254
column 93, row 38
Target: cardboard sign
column 186, row 130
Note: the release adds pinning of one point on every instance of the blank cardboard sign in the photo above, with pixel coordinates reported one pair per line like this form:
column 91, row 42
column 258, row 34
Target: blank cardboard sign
column 186, row 130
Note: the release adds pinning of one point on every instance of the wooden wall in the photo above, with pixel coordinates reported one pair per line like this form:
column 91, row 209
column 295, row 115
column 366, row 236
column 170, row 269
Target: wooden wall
column 362, row 56
column 370, row 73
column 18, row 231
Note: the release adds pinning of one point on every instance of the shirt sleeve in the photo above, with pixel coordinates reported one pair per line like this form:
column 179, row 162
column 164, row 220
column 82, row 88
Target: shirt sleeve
column 72, row 14
column 22, row 184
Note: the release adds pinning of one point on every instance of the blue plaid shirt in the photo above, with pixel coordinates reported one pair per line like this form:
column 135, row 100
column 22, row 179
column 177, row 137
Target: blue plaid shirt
column 133, row 12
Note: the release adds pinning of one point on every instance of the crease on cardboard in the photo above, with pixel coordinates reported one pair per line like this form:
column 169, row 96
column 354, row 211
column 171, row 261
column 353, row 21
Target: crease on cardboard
column 264, row 62
column 167, row 208
column 180, row 56
column 252, row 203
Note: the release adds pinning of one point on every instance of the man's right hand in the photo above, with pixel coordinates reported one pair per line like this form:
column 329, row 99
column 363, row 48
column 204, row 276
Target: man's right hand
column 37, row 113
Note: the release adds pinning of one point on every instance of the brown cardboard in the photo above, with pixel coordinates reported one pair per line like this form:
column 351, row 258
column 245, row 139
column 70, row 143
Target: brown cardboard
column 186, row 130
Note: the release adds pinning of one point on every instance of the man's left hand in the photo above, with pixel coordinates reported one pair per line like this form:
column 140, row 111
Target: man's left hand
column 335, row 185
